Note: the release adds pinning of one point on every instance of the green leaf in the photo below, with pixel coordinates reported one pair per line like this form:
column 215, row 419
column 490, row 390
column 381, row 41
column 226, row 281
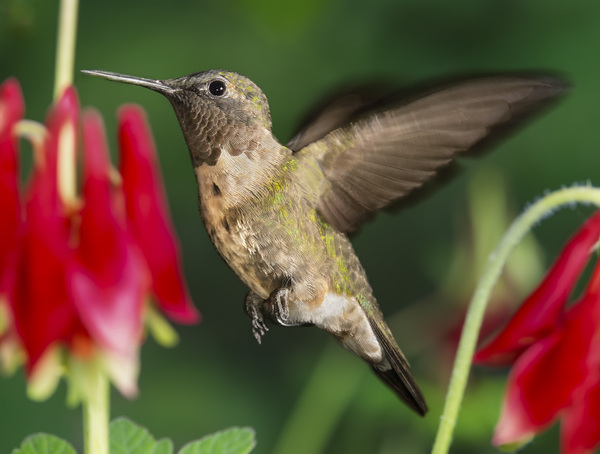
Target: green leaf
column 236, row 440
column 126, row 437
column 44, row 444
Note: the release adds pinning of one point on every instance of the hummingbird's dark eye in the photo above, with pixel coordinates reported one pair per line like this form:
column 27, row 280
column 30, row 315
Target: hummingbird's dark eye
column 217, row 88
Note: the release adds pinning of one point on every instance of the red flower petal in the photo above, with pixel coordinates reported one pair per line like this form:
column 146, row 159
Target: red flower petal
column 12, row 106
column 528, row 383
column 548, row 376
column 11, row 111
column 148, row 217
column 106, row 282
column 43, row 311
column 580, row 429
column 543, row 309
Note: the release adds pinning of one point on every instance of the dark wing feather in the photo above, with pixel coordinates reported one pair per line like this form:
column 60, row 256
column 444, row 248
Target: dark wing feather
column 398, row 378
column 380, row 158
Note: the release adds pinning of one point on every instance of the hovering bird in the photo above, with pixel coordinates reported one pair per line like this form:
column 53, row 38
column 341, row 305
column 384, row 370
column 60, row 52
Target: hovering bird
column 280, row 215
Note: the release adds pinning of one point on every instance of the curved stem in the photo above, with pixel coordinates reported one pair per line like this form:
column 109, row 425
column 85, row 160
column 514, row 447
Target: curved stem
column 65, row 46
column 466, row 348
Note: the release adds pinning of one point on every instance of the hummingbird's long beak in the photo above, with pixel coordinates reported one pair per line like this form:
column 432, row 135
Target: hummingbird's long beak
column 155, row 85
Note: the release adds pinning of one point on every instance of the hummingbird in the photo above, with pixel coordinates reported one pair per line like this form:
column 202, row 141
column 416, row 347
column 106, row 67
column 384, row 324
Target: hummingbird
column 280, row 215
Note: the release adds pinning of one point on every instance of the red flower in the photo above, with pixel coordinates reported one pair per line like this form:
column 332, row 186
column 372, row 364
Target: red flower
column 555, row 354
column 11, row 111
column 146, row 205
column 79, row 269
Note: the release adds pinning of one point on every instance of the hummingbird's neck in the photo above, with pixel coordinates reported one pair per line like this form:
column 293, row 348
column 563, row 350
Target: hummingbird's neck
column 234, row 180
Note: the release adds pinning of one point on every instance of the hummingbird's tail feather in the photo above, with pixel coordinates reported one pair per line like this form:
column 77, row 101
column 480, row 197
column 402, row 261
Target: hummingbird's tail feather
column 398, row 378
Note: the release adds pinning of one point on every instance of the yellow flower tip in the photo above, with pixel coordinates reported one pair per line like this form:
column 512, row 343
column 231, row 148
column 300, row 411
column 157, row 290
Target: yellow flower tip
column 36, row 134
column 159, row 328
column 123, row 372
column 4, row 315
column 45, row 377
column 11, row 356
column 115, row 176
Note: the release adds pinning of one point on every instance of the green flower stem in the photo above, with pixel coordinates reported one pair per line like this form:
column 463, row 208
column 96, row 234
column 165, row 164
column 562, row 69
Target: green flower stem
column 96, row 412
column 466, row 348
column 65, row 60
column 65, row 46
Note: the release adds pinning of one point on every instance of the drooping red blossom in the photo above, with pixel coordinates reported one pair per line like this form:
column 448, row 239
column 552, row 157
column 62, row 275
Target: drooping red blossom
column 543, row 310
column 42, row 307
column 77, row 273
column 106, row 285
column 11, row 111
column 555, row 354
column 146, row 205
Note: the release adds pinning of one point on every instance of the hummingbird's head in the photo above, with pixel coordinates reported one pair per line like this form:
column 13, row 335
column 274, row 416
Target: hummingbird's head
column 218, row 111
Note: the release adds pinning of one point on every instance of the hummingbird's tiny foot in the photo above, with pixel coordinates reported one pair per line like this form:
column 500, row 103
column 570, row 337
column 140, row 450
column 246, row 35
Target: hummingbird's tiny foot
column 253, row 307
column 280, row 308
column 259, row 327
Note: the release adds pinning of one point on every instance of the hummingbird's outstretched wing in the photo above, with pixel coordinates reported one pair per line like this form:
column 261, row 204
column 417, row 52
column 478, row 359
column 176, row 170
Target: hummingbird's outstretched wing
column 379, row 158
column 336, row 111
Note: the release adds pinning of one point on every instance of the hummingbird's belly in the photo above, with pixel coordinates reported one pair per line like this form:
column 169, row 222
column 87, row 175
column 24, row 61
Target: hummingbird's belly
column 266, row 256
column 279, row 248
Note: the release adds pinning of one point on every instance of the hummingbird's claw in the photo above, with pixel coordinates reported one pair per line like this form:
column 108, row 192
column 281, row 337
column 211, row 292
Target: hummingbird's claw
column 259, row 328
column 279, row 306
column 275, row 307
column 253, row 307
column 278, row 309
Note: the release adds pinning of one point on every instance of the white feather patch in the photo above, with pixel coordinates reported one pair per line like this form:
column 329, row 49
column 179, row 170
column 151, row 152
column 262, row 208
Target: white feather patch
column 334, row 315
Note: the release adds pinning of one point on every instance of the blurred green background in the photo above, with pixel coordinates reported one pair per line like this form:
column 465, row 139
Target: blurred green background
column 299, row 390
